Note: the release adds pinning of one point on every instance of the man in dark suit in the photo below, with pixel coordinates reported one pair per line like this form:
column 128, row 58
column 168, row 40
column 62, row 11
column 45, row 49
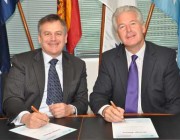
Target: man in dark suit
column 27, row 81
column 158, row 74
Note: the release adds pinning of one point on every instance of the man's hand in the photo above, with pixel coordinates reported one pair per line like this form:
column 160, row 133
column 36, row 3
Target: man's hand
column 60, row 110
column 35, row 120
column 112, row 114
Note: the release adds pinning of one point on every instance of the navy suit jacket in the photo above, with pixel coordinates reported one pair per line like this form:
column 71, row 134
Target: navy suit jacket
column 160, row 88
column 25, row 83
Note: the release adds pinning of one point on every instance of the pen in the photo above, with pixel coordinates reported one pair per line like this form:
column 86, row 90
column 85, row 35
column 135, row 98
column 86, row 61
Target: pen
column 34, row 109
column 113, row 104
column 115, row 107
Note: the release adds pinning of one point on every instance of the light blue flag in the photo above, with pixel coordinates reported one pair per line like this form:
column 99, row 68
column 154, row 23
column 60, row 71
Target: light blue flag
column 171, row 8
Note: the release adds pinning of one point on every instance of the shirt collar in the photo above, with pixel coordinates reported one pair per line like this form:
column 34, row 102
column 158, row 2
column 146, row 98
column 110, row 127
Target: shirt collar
column 47, row 58
column 140, row 53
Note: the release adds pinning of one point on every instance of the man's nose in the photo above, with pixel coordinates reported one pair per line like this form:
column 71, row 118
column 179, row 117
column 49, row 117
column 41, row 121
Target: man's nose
column 128, row 28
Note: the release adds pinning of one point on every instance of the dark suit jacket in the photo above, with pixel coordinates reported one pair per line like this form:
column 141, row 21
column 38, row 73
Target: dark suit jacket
column 25, row 83
column 160, row 89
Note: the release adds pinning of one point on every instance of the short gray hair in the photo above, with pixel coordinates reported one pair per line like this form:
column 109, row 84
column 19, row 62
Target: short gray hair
column 126, row 8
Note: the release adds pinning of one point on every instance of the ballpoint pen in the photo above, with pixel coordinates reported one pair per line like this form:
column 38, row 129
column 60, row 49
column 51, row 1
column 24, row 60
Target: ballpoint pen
column 34, row 109
column 113, row 104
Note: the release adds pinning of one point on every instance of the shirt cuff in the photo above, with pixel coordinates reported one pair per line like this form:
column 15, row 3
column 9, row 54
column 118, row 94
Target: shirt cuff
column 101, row 110
column 17, row 120
column 74, row 110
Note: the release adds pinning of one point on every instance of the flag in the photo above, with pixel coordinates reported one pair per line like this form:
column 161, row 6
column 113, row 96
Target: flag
column 7, row 8
column 69, row 11
column 171, row 8
column 111, row 39
column 4, row 50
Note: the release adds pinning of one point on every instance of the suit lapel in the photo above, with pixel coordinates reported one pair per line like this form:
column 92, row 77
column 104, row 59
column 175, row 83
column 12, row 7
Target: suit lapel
column 122, row 67
column 39, row 69
column 148, row 65
column 67, row 75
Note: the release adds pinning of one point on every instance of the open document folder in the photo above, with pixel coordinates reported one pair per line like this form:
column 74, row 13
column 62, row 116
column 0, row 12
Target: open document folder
column 134, row 128
column 48, row 132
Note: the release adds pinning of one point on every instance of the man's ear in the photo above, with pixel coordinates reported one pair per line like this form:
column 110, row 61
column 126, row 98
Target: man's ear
column 39, row 39
column 66, row 38
column 143, row 28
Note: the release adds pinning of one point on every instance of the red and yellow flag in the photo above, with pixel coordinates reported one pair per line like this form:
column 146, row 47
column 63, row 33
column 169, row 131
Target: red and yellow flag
column 69, row 11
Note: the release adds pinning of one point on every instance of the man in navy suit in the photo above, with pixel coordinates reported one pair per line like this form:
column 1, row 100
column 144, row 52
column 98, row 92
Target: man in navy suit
column 158, row 73
column 26, row 83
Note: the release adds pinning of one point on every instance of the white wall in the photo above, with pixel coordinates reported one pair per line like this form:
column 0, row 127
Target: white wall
column 92, row 65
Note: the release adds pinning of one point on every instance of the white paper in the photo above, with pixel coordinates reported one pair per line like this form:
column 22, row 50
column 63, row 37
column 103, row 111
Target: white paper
column 134, row 128
column 48, row 132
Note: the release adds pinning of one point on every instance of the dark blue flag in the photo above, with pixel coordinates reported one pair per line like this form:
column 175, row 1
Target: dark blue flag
column 4, row 50
column 7, row 8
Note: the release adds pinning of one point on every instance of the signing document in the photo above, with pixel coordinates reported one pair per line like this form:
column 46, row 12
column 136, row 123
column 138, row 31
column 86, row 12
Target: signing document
column 48, row 132
column 134, row 128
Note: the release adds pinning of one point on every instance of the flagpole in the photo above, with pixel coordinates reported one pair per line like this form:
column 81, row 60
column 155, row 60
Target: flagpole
column 25, row 25
column 149, row 18
column 102, row 32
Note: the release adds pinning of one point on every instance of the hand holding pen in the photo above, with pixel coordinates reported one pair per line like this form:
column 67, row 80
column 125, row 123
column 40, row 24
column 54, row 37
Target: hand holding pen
column 35, row 120
column 35, row 110
column 113, row 113
column 115, row 107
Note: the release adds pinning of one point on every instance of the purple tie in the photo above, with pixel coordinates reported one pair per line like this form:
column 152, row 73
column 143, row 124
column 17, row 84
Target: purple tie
column 131, row 103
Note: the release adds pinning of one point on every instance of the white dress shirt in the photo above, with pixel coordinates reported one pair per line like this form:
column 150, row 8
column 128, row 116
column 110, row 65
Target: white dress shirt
column 44, row 107
column 139, row 63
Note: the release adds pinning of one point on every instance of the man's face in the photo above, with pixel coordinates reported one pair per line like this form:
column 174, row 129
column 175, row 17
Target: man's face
column 130, row 30
column 52, row 38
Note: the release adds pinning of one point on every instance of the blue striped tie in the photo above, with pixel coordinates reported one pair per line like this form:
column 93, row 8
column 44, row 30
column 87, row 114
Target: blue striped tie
column 54, row 90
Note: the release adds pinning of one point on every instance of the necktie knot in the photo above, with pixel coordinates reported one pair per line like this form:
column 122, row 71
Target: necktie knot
column 134, row 57
column 53, row 62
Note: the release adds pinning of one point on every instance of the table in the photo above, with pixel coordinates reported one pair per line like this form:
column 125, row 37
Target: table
column 95, row 128
column 167, row 127
column 74, row 122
